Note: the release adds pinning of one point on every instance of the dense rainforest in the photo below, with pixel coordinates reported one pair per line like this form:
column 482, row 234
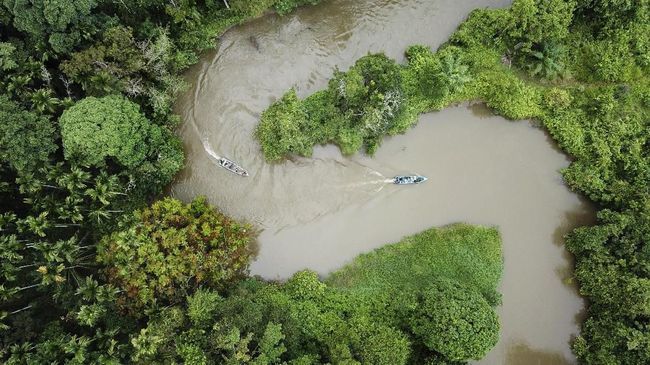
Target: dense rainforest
column 97, row 267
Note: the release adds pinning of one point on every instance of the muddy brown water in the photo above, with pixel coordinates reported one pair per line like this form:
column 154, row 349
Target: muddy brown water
column 321, row 212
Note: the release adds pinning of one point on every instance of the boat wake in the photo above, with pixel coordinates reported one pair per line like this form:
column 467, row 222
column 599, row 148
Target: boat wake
column 209, row 150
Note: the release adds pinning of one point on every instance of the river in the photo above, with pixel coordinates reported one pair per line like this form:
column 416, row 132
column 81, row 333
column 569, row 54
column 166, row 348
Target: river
column 320, row 212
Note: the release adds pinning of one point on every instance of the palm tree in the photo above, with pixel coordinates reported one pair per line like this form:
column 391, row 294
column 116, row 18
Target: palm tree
column 44, row 101
column 546, row 61
column 18, row 84
column 70, row 209
column 105, row 189
column 454, row 72
column 102, row 83
column 75, row 179
column 29, row 184
column 35, row 224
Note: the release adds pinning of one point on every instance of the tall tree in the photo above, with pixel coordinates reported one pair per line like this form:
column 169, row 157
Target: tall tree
column 26, row 139
column 95, row 129
column 53, row 25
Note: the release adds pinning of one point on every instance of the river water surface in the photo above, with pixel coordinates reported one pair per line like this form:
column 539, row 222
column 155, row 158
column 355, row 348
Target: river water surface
column 321, row 212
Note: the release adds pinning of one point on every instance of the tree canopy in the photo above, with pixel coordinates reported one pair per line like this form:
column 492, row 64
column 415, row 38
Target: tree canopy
column 26, row 138
column 95, row 129
column 166, row 252
column 454, row 321
column 91, row 274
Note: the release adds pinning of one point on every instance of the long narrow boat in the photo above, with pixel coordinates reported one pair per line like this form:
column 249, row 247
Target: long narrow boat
column 409, row 179
column 231, row 166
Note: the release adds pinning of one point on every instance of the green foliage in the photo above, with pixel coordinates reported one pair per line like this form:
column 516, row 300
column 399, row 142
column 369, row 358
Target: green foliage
column 54, row 211
column 282, row 129
column 423, row 78
column 607, row 130
column 286, row 6
column 611, row 59
column 264, row 323
column 382, row 345
column 546, row 61
column 359, row 107
column 111, row 130
column 116, row 56
column 469, row 254
column 201, row 307
column 26, row 139
column 371, row 99
column 483, row 27
column 510, row 96
column 607, row 15
column 597, row 52
column 7, row 62
column 608, row 338
column 454, row 321
column 417, row 282
column 532, row 22
column 251, row 8
column 454, row 73
column 95, row 129
column 308, row 321
column 612, row 268
column 55, row 25
column 166, row 252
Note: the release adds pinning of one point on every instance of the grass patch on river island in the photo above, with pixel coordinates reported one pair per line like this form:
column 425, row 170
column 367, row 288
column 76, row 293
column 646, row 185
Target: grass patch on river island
column 468, row 254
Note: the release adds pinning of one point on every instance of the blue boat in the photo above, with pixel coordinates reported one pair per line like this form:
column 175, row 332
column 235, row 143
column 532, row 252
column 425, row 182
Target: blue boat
column 409, row 179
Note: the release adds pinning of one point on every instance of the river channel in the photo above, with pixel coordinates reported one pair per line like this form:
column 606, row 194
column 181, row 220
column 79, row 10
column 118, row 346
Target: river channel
column 320, row 212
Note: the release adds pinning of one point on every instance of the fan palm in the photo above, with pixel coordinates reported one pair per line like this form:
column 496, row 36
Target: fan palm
column 545, row 61
column 454, row 72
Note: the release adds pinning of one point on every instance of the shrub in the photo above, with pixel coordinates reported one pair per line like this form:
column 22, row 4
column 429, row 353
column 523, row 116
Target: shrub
column 286, row 6
column 545, row 60
column 510, row 96
column 251, row 8
column 423, row 78
column 556, row 99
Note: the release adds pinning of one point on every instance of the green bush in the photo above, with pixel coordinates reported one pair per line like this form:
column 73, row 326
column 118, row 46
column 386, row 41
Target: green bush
column 286, row 6
column 423, row 78
column 510, row 96
column 545, row 60
column 251, row 8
